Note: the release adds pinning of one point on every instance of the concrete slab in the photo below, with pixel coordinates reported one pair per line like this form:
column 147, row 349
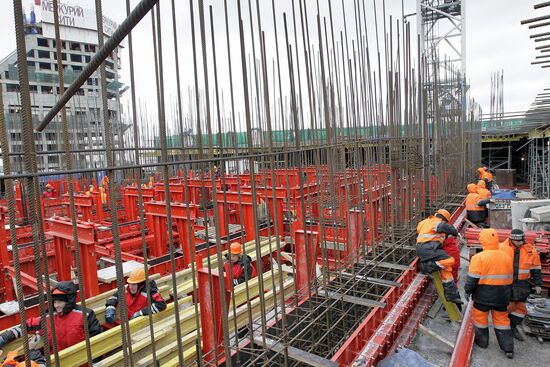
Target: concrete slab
column 519, row 210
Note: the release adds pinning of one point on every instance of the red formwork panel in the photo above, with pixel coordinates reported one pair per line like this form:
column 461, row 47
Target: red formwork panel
column 366, row 331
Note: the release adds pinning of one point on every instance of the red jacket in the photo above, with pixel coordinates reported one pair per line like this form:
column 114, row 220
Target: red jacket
column 451, row 248
column 237, row 269
column 138, row 301
column 69, row 328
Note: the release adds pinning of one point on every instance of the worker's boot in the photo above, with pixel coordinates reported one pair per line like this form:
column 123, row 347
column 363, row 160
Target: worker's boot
column 517, row 334
column 428, row 267
column 505, row 340
column 451, row 293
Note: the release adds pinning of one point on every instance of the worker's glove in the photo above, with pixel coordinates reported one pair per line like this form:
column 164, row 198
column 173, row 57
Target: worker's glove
column 538, row 290
column 33, row 342
column 110, row 314
column 137, row 314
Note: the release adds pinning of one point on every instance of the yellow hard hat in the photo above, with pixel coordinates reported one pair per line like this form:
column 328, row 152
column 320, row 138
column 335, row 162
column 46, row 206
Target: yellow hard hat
column 137, row 276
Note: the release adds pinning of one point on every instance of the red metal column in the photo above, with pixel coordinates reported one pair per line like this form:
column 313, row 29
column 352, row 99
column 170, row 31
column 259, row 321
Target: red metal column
column 355, row 232
column 187, row 243
column 63, row 257
column 211, row 311
column 86, row 241
column 305, row 247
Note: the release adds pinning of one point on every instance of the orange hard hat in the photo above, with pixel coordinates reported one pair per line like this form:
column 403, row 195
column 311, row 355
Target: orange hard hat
column 235, row 249
column 481, row 183
column 137, row 276
column 445, row 214
column 489, row 239
column 472, row 188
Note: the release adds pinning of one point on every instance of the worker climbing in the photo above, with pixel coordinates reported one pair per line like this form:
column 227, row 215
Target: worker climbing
column 238, row 265
column 429, row 247
column 69, row 326
column 475, row 206
column 489, row 282
column 527, row 268
column 137, row 303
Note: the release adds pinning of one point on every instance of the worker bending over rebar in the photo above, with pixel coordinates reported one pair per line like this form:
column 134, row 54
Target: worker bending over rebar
column 432, row 232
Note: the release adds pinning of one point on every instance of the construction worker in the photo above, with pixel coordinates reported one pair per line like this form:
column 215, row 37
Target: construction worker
column 475, row 206
column 37, row 359
column 482, row 190
column 487, row 176
column 527, row 267
column 136, row 298
column 489, row 282
column 239, row 265
column 49, row 193
column 69, row 328
column 429, row 247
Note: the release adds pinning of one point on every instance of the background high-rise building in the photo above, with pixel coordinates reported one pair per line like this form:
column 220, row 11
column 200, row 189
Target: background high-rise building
column 79, row 43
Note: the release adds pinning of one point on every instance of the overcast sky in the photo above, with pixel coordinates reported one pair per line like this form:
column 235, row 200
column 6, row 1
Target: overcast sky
column 495, row 41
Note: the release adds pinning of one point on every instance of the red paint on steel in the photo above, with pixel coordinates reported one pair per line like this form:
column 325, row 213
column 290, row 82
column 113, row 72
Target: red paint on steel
column 464, row 341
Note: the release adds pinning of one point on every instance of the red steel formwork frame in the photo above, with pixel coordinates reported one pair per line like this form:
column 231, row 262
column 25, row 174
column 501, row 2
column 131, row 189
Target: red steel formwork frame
column 462, row 351
column 366, row 331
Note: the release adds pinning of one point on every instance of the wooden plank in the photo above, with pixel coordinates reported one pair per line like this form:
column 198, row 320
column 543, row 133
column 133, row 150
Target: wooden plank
column 108, row 275
column 434, row 310
column 294, row 353
column 351, row 299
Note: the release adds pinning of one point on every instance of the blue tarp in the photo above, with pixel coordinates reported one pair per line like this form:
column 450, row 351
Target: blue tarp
column 404, row 357
column 504, row 194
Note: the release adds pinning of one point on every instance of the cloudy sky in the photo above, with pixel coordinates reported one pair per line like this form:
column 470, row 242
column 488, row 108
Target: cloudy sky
column 495, row 41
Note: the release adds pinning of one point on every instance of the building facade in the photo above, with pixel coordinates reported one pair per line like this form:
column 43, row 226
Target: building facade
column 84, row 111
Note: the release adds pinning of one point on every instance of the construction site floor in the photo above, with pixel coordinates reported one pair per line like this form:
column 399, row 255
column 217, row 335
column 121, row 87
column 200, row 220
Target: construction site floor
column 527, row 353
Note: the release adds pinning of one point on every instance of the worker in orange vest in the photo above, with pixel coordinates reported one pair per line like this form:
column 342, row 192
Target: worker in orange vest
column 429, row 247
column 487, row 176
column 527, row 268
column 475, row 206
column 239, row 265
column 482, row 190
column 37, row 359
column 489, row 282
